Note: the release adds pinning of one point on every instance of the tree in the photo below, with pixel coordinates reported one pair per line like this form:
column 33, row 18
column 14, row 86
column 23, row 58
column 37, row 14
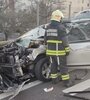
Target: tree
column 45, row 8
column 25, row 18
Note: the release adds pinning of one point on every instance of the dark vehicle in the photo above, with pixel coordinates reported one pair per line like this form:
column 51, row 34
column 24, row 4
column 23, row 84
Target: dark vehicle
column 82, row 16
column 25, row 58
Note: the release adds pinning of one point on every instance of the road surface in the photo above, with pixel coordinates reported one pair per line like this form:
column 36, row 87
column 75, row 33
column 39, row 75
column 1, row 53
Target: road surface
column 37, row 92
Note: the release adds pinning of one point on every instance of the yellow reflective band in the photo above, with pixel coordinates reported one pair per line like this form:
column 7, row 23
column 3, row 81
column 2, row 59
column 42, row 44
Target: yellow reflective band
column 56, row 54
column 65, row 77
column 54, row 76
column 67, row 49
column 54, row 51
column 54, row 41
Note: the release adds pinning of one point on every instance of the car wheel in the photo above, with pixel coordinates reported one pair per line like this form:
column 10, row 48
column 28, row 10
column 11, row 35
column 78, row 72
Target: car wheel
column 42, row 70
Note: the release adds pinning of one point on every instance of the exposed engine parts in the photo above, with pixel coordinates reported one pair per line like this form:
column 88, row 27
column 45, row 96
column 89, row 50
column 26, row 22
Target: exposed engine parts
column 14, row 65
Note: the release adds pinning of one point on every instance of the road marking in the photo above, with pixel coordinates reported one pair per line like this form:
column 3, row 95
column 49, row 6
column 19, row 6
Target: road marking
column 32, row 84
column 78, row 87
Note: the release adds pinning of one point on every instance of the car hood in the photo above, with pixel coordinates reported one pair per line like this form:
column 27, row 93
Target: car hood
column 3, row 43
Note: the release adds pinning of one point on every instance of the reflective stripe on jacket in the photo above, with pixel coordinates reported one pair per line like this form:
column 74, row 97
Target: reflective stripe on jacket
column 54, row 44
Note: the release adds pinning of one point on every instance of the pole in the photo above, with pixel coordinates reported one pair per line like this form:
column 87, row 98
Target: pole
column 89, row 4
column 37, row 13
column 70, row 10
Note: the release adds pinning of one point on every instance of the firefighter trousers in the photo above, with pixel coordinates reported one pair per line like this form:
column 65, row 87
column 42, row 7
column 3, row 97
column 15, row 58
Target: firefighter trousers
column 59, row 64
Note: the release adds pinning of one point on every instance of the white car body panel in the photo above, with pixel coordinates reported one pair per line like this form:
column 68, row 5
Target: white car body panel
column 79, row 54
column 38, row 51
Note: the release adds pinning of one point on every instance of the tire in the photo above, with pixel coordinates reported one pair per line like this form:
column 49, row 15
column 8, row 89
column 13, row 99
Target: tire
column 39, row 70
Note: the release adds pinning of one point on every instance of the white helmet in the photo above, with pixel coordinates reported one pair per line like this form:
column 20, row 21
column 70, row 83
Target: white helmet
column 57, row 15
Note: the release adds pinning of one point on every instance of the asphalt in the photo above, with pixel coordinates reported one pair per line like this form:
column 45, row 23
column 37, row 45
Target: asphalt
column 38, row 93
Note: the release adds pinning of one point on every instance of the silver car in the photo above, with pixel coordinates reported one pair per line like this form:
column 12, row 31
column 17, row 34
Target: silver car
column 81, row 16
column 79, row 41
column 25, row 60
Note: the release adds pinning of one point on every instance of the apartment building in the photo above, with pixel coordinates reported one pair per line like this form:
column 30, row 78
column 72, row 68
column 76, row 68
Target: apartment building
column 71, row 7
column 74, row 6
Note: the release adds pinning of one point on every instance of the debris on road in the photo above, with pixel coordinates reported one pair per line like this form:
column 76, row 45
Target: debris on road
column 48, row 89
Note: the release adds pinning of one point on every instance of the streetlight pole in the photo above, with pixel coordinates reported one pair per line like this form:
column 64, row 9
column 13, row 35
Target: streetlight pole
column 70, row 10
column 38, row 13
column 89, row 4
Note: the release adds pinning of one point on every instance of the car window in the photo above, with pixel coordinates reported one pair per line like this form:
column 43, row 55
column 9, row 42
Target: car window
column 75, row 35
column 86, row 28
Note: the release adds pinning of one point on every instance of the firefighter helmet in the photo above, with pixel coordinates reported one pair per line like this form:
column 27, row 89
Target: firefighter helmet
column 57, row 15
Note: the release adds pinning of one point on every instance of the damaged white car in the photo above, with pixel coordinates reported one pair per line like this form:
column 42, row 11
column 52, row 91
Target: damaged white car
column 25, row 57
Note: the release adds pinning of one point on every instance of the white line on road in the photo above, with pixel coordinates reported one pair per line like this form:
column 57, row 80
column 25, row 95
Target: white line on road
column 27, row 86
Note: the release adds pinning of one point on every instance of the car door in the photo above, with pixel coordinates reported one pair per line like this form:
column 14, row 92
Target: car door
column 79, row 48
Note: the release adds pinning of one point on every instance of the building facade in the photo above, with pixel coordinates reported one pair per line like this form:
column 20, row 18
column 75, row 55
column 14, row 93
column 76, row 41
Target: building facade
column 74, row 6
column 71, row 7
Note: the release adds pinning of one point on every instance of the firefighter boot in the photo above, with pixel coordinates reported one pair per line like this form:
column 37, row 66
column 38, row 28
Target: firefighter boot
column 68, row 83
column 56, row 80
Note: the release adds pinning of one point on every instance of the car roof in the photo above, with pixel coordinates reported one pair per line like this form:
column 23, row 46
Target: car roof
column 79, row 17
column 80, row 20
column 88, row 10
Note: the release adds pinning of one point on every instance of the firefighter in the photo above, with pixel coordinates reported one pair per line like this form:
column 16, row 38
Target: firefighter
column 57, row 48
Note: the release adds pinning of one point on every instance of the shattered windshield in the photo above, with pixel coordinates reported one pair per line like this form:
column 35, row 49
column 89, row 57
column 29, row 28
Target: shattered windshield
column 77, row 32
column 30, row 36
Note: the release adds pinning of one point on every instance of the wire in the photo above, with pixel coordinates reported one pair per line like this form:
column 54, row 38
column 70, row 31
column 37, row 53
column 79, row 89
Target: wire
column 16, row 92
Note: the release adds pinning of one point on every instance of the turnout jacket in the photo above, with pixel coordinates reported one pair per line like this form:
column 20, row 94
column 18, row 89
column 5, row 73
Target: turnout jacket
column 56, row 39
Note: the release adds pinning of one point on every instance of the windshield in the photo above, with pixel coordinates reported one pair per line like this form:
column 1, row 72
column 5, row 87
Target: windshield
column 30, row 36
column 77, row 31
